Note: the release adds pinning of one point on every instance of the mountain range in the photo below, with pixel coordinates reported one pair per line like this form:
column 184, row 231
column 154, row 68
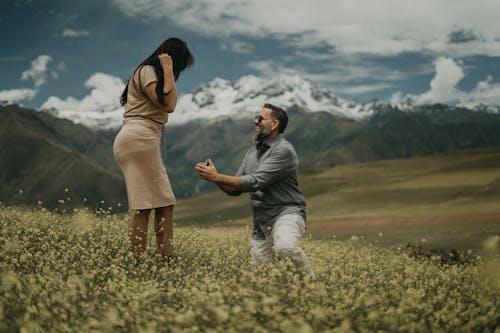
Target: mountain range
column 243, row 98
column 43, row 155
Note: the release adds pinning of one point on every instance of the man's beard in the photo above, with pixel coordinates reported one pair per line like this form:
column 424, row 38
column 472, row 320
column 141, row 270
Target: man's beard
column 262, row 133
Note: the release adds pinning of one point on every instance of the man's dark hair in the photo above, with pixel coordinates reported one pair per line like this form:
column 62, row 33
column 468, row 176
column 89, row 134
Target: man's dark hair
column 279, row 114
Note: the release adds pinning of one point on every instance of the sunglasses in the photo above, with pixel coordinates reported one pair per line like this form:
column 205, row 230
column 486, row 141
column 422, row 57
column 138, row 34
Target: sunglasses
column 258, row 118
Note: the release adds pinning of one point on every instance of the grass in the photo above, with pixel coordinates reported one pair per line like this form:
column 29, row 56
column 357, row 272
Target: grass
column 75, row 273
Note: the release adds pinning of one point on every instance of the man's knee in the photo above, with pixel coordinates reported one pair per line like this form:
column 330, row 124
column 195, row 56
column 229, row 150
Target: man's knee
column 285, row 249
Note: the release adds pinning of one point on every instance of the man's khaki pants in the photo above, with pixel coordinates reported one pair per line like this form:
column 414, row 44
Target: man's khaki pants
column 283, row 242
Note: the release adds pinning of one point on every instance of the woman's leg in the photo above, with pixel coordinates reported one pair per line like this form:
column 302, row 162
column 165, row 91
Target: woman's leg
column 138, row 230
column 164, row 229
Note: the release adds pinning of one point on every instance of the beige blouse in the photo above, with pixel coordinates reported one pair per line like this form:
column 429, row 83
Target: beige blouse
column 138, row 104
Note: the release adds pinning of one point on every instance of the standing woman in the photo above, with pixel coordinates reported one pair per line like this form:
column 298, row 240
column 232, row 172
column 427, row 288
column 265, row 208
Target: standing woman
column 149, row 97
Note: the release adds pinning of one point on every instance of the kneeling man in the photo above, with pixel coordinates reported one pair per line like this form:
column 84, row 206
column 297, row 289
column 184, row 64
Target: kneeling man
column 269, row 172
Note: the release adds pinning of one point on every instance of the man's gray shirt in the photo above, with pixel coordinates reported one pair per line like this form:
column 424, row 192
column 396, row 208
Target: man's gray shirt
column 273, row 184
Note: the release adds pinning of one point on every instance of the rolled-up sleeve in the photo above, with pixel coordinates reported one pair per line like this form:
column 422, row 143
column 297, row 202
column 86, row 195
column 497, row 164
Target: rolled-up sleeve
column 147, row 75
column 239, row 173
column 275, row 167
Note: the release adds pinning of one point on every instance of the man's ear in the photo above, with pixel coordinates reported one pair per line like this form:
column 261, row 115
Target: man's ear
column 275, row 124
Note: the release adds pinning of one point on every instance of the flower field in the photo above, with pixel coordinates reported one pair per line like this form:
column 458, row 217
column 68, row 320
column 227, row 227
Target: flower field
column 74, row 273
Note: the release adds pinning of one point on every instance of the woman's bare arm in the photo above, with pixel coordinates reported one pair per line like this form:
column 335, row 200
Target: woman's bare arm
column 169, row 87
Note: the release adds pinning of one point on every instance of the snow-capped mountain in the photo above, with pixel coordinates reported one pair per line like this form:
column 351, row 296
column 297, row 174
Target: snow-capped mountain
column 411, row 104
column 244, row 98
column 234, row 99
column 102, row 118
column 221, row 99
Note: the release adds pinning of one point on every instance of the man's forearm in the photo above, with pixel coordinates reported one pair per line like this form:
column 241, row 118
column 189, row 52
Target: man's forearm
column 226, row 189
column 228, row 183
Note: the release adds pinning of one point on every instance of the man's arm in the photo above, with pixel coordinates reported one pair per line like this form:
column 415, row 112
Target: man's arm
column 279, row 164
column 228, row 190
column 228, row 184
column 275, row 167
column 232, row 183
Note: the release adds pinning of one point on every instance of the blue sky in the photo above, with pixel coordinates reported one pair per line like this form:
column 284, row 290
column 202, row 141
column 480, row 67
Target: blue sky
column 434, row 51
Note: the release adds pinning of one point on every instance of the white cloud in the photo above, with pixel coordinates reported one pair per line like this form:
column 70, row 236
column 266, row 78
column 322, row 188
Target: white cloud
column 444, row 84
column 38, row 70
column 362, row 89
column 236, row 46
column 382, row 27
column 105, row 91
column 75, row 33
column 343, row 78
column 61, row 67
column 485, row 92
column 444, row 88
column 37, row 73
column 100, row 108
column 15, row 95
column 269, row 68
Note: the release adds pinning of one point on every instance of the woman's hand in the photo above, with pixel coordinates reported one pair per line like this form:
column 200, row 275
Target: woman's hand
column 165, row 61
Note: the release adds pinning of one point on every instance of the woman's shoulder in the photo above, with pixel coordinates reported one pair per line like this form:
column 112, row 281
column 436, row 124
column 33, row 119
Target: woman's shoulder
column 147, row 68
column 144, row 70
column 144, row 75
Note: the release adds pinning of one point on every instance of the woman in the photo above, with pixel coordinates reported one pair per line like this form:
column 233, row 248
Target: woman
column 149, row 96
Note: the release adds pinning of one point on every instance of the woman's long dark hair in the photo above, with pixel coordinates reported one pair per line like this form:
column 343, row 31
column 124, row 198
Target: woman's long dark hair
column 181, row 59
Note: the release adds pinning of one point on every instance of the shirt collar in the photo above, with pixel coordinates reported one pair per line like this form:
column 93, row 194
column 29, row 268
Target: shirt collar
column 273, row 142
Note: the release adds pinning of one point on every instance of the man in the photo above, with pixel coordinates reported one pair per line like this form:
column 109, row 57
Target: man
column 269, row 173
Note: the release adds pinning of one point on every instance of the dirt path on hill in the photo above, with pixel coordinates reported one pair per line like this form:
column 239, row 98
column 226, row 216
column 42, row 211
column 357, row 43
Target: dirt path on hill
column 379, row 221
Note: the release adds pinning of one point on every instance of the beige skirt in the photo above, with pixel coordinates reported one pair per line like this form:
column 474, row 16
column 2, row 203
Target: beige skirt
column 137, row 152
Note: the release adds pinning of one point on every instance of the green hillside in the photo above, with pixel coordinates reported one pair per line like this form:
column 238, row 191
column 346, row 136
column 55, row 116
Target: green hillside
column 50, row 160
column 450, row 200
column 322, row 139
column 42, row 156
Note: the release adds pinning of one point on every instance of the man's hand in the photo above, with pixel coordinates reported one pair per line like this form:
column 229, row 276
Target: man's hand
column 207, row 171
